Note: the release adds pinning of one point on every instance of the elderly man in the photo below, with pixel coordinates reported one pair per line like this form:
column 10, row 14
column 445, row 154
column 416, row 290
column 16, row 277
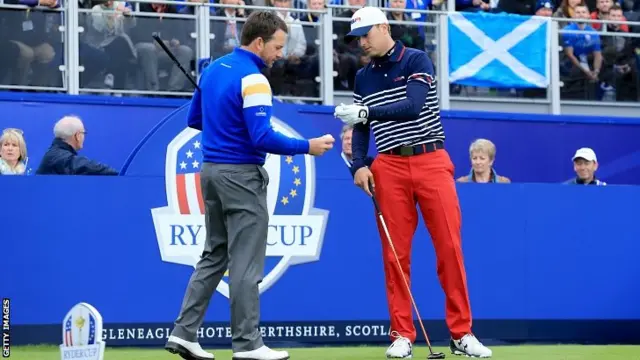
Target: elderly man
column 62, row 157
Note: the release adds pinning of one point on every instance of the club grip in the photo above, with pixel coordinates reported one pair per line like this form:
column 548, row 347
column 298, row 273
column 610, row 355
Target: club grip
column 373, row 197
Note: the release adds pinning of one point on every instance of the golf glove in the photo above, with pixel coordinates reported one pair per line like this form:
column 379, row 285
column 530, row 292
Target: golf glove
column 352, row 114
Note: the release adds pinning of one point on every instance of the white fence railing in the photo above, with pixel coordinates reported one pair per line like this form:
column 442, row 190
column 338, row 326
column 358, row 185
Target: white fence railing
column 101, row 50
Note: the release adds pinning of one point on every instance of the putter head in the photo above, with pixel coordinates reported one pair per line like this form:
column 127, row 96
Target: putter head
column 437, row 355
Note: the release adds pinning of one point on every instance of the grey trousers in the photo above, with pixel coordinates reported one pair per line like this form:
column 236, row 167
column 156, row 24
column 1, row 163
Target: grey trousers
column 236, row 221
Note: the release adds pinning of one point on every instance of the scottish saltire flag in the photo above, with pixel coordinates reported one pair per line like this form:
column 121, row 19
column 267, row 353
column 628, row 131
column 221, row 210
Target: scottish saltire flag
column 498, row 50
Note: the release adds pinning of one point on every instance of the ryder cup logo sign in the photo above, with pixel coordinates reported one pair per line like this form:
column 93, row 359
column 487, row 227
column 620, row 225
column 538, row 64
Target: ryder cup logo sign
column 82, row 334
column 296, row 228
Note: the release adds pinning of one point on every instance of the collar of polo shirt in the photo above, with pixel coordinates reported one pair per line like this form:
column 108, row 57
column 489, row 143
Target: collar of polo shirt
column 363, row 20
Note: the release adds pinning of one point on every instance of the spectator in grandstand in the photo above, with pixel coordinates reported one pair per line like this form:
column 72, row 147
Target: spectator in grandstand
column 521, row 7
column 310, row 67
column 35, row 32
column 620, row 77
column 10, row 60
column 585, row 165
column 583, row 58
column 107, row 29
column 419, row 5
column 227, row 32
column 482, row 153
column 544, row 8
column 62, row 157
column 13, row 153
column 409, row 35
column 151, row 57
column 566, row 10
column 282, row 75
column 472, row 5
column 602, row 13
column 350, row 55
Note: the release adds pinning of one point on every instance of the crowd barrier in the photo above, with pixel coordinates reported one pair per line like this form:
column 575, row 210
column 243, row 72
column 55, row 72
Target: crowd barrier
column 546, row 262
column 76, row 53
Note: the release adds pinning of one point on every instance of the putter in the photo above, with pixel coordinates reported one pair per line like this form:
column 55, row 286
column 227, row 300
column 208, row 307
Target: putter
column 166, row 49
column 432, row 355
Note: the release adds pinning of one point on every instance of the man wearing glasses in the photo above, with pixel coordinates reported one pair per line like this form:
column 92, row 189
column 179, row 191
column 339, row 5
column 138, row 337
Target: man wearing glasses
column 62, row 157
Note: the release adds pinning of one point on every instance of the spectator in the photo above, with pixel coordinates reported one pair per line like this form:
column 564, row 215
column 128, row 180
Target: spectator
column 10, row 60
column 620, row 77
column 585, row 165
column 107, row 30
column 35, row 33
column 345, row 137
column 283, row 74
column 604, row 7
column 520, row 7
column 409, row 35
column 347, row 154
column 310, row 67
column 483, row 154
column 580, row 50
column 227, row 33
column 350, row 55
column 472, row 5
column 62, row 157
column 13, row 153
column 567, row 11
column 416, row 16
column 175, row 33
column 544, row 8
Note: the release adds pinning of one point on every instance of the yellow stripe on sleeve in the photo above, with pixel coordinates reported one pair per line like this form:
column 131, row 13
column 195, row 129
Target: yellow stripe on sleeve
column 256, row 89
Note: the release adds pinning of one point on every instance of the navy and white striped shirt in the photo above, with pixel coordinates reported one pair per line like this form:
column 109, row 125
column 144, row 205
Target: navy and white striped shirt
column 400, row 91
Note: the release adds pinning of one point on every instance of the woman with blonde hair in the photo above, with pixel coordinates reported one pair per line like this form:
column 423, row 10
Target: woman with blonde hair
column 483, row 153
column 13, row 153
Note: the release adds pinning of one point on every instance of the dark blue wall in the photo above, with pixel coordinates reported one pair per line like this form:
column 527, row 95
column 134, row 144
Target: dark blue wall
column 545, row 262
column 531, row 148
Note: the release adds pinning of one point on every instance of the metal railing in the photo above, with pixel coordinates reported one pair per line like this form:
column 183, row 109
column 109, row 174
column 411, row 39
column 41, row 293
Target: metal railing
column 86, row 52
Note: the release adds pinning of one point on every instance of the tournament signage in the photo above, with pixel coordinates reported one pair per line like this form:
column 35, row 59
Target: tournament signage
column 296, row 227
column 82, row 334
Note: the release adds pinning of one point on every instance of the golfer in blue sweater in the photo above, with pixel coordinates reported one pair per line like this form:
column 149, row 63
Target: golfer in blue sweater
column 233, row 111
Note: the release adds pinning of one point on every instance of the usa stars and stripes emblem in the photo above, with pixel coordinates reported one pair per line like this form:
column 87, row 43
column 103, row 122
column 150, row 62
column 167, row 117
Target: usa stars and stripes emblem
column 82, row 330
column 296, row 228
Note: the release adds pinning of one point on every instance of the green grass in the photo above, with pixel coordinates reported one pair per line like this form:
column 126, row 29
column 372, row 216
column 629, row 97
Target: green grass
column 559, row 352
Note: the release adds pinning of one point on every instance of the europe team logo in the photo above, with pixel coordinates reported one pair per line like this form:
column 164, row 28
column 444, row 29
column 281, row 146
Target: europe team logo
column 296, row 228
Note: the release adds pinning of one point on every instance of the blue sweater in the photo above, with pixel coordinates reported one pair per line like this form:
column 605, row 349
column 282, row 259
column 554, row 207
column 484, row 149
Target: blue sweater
column 233, row 111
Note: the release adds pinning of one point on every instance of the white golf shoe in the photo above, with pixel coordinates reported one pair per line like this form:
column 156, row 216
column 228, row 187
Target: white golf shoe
column 261, row 353
column 400, row 348
column 469, row 346
column 187, row 349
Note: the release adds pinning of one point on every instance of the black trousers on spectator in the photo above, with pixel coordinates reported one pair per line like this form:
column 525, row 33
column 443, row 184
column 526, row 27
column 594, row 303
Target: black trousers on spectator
column 8, row 61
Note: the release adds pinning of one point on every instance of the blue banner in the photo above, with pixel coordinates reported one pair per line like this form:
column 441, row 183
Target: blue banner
column 543, row 260
column 498, row 50
column 117, row 126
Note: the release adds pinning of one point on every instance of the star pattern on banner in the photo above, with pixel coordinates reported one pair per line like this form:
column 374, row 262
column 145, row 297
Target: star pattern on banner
column 296, row 182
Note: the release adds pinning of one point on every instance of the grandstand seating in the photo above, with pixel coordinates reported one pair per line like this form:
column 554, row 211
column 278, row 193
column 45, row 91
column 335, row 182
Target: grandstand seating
column 105, row 47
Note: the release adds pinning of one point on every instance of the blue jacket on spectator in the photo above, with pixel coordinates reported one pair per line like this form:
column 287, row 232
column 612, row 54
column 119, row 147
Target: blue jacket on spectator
column 63, row 159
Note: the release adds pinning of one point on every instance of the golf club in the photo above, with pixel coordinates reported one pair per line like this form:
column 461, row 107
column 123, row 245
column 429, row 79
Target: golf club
column 432, row 355
column 166, row 49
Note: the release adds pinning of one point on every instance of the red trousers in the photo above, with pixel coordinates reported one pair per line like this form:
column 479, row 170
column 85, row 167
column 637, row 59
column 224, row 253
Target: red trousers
column 426, row 180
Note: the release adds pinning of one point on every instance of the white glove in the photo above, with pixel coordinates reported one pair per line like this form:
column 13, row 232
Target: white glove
column 352, row 114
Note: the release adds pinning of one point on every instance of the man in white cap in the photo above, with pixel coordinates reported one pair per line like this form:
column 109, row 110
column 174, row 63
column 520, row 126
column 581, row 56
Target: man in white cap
column 395, row 95
column 585, row 165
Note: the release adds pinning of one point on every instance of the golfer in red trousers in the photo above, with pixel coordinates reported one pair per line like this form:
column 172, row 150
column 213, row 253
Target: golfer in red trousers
column 395, row 96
